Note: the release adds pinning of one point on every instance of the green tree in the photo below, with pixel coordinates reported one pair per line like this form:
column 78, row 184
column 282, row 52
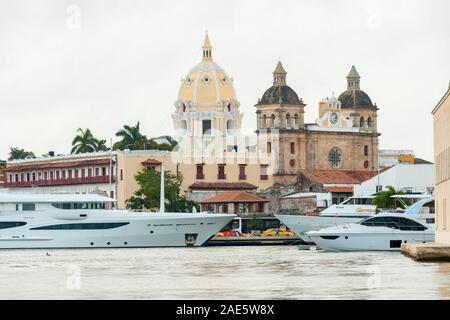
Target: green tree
column 131, row 138
column 384, row 200
column 255, row 223
column 147, row 196
column 17, row 154
column 2, row 164
column 85, row 142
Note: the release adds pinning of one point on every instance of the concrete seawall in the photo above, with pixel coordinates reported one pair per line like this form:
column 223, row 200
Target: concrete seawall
column 427, row 251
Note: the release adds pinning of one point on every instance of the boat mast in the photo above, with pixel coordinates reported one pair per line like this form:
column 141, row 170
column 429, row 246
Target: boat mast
column 161, row 195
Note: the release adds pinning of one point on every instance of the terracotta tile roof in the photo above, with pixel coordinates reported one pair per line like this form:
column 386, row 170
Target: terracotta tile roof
column 151, row 162
column 222, row 186
column 338, row 176
column 340, row 189
column 55, row 165
column 233, row 197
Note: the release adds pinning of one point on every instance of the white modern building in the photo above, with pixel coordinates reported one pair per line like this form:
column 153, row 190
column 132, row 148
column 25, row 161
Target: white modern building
column 388, row 158
column 409, row 178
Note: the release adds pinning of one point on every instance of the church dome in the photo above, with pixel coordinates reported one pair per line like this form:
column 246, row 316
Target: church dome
column 280, row 95
column 280, row 92
column 207, row 84
column 354, row 97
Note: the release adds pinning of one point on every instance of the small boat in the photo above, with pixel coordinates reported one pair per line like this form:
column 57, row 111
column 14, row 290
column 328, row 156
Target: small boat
column 382, row 232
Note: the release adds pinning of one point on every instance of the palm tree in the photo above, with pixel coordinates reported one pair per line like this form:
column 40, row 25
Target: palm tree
column 101, row 145
column 84, row 142
column 131, row 138
column 384, row 200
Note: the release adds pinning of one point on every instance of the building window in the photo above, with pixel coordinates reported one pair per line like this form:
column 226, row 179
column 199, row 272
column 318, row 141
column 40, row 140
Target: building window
column 292, row 163
column 121, row 174
column 369, row 122
column 269, row 147
column 200, row 175
column 90, row 172
column 51, row 175
column 335, row 158
column 263, row 172
column 288, row 121
column 76, row 173
column 57, row 175
column 366, row 164
column 361, row 122
column 221, row 173
column 242, row 175
column 97, row 172
column 63, row 174
column 206, row 127
column 366, row 150
column 292, row 147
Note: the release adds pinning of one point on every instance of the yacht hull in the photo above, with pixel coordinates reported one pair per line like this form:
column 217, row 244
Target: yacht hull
column 134, row 230
column 300, row 224
column 387, row 241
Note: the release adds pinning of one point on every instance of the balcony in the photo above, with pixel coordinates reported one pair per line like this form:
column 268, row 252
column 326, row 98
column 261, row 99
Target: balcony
column 58, row 182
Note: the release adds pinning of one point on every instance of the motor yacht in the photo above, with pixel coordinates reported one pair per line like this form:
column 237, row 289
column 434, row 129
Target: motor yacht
column 352, row 210
column 81, row 221
column 384, row 231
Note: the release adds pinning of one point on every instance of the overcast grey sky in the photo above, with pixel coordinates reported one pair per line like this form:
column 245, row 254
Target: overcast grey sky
column 123, row 62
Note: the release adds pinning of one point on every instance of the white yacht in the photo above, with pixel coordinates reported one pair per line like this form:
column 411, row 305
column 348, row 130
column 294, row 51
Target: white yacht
column 385, row 231
column 81, row 221
column 353, row 209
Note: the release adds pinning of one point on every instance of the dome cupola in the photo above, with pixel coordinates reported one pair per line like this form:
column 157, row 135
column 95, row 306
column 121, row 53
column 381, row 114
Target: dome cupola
column 280, row 92
column 354, row 97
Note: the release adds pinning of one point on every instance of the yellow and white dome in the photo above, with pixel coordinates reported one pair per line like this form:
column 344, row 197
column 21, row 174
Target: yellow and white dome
column 207, row 104
column 207, row 85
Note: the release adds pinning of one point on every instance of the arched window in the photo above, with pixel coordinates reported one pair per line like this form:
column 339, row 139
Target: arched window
column 272, row 120
column 184, row 107
column 229, row 107
column 288, row 121
column 296, row 120
column 361, row 122
column 265, row 124
column 369, row 122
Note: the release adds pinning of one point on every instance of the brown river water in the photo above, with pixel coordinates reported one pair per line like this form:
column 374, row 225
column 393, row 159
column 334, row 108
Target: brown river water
column 262, row 272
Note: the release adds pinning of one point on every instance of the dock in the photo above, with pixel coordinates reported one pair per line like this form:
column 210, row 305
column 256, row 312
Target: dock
column 427, row 251
column 254, row 241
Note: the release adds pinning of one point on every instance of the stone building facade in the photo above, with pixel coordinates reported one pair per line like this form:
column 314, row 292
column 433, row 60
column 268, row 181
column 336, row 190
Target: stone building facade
column 344, row 137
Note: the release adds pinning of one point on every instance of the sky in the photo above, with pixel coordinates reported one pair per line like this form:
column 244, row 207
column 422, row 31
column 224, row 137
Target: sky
column 97, row 64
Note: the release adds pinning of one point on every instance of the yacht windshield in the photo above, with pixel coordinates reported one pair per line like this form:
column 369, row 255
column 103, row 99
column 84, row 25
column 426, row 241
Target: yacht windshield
column 358, row 201
column 399, row 223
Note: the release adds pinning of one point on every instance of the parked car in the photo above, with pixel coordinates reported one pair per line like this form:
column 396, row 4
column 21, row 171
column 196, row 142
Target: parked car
column 277, row 232
column 229, row 233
